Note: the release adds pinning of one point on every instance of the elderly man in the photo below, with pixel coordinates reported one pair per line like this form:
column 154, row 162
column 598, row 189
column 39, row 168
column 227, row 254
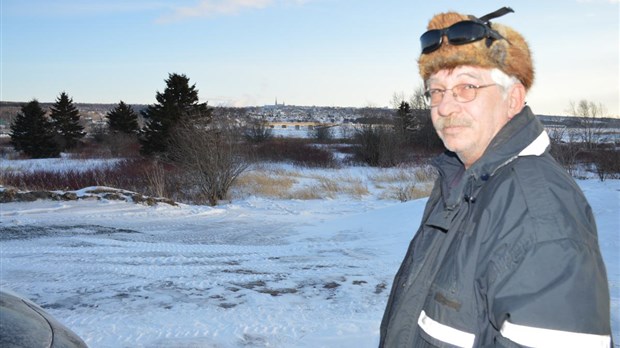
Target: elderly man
column 507, row 253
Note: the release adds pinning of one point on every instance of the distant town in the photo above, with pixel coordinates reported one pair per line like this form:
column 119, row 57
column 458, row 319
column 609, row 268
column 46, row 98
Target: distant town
column 278, row 115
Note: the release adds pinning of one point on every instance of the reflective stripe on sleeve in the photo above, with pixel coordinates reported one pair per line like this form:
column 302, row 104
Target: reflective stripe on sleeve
column 537, row 337
column 445, row 333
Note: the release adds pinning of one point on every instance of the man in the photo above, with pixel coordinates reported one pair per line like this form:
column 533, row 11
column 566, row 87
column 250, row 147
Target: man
column 507, row 253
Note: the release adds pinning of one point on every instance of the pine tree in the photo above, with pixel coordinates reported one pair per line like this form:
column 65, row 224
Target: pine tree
column 178, row 102
column 404, row 121
column 32, row 134
column 66, row 122
column 123, row 119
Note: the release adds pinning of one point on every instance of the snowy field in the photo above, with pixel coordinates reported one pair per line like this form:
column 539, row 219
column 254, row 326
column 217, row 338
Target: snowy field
column 255, row 272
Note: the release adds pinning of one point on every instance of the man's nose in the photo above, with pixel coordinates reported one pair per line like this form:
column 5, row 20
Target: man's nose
column 448, row 104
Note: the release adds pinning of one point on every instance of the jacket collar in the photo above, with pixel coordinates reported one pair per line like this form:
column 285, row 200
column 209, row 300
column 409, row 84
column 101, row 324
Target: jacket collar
column 538, row 146
column 523, row 135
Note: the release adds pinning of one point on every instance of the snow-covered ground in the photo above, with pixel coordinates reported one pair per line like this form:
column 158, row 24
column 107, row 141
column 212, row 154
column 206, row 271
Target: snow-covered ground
column 256, row 272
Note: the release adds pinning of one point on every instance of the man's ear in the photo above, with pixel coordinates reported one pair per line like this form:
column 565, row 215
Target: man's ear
column 516, row 99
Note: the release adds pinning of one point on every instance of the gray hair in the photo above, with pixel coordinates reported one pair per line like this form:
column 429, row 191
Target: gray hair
column 503, row 80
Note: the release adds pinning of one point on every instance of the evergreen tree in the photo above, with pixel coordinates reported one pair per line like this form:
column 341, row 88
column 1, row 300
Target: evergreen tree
column 123, row 119
column 404, row 121
column 178, row 102
column 423, row 133
column 66, row 122
column 32, row 134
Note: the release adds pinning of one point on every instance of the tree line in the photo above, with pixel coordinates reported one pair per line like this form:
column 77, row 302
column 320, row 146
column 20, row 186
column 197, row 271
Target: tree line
column 39, row 135
column 173, row 126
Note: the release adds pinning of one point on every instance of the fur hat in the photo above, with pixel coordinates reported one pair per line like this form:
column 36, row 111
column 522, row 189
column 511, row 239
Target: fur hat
column 510, row 55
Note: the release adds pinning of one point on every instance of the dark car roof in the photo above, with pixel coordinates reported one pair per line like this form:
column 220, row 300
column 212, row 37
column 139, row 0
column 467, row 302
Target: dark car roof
column 25, row 324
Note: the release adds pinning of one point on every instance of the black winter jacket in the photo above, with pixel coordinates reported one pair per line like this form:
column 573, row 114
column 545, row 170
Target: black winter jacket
column 507, row 255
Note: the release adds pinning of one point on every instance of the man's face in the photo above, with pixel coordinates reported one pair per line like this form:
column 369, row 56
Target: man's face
column 468, row 128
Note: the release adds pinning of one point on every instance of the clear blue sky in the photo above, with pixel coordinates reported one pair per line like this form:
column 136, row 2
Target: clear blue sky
column 302, row 52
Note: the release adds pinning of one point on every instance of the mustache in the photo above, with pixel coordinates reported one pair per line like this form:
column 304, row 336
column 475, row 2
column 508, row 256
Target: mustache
column 451, row 122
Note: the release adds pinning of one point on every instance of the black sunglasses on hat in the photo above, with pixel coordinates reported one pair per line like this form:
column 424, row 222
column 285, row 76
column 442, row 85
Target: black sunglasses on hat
column 464, row 32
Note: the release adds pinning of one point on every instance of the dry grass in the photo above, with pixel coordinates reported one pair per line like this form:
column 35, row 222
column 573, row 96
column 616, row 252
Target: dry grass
column 302, row 184
column 306, row 193
column 404, row 184
column 329, row 187
column 404, row 174
column 264, row 183
column 393, row 176
column 357, row 190
column 401, row 184
column 351, row 186
column 406, row 192
column 425, row 174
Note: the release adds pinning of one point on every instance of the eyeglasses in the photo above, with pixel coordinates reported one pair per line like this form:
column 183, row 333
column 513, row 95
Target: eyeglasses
column 459, row 33
column 462, row 93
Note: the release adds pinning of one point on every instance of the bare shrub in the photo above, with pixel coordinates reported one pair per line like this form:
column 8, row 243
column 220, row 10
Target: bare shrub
column 296, row 151
column 91, row 149
column 607, row 163
column 125, row 174
column 6, row 149
column 321, row 133
column 557, row 134
column 121, row 144
column 54, row 180
column 257, row 130
column 213, row 155
column 156, row 178
column 378, row 146
column 589, row 114
column 108, row 145
column 347, row 149
column 566, row 154
column 368, row 140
